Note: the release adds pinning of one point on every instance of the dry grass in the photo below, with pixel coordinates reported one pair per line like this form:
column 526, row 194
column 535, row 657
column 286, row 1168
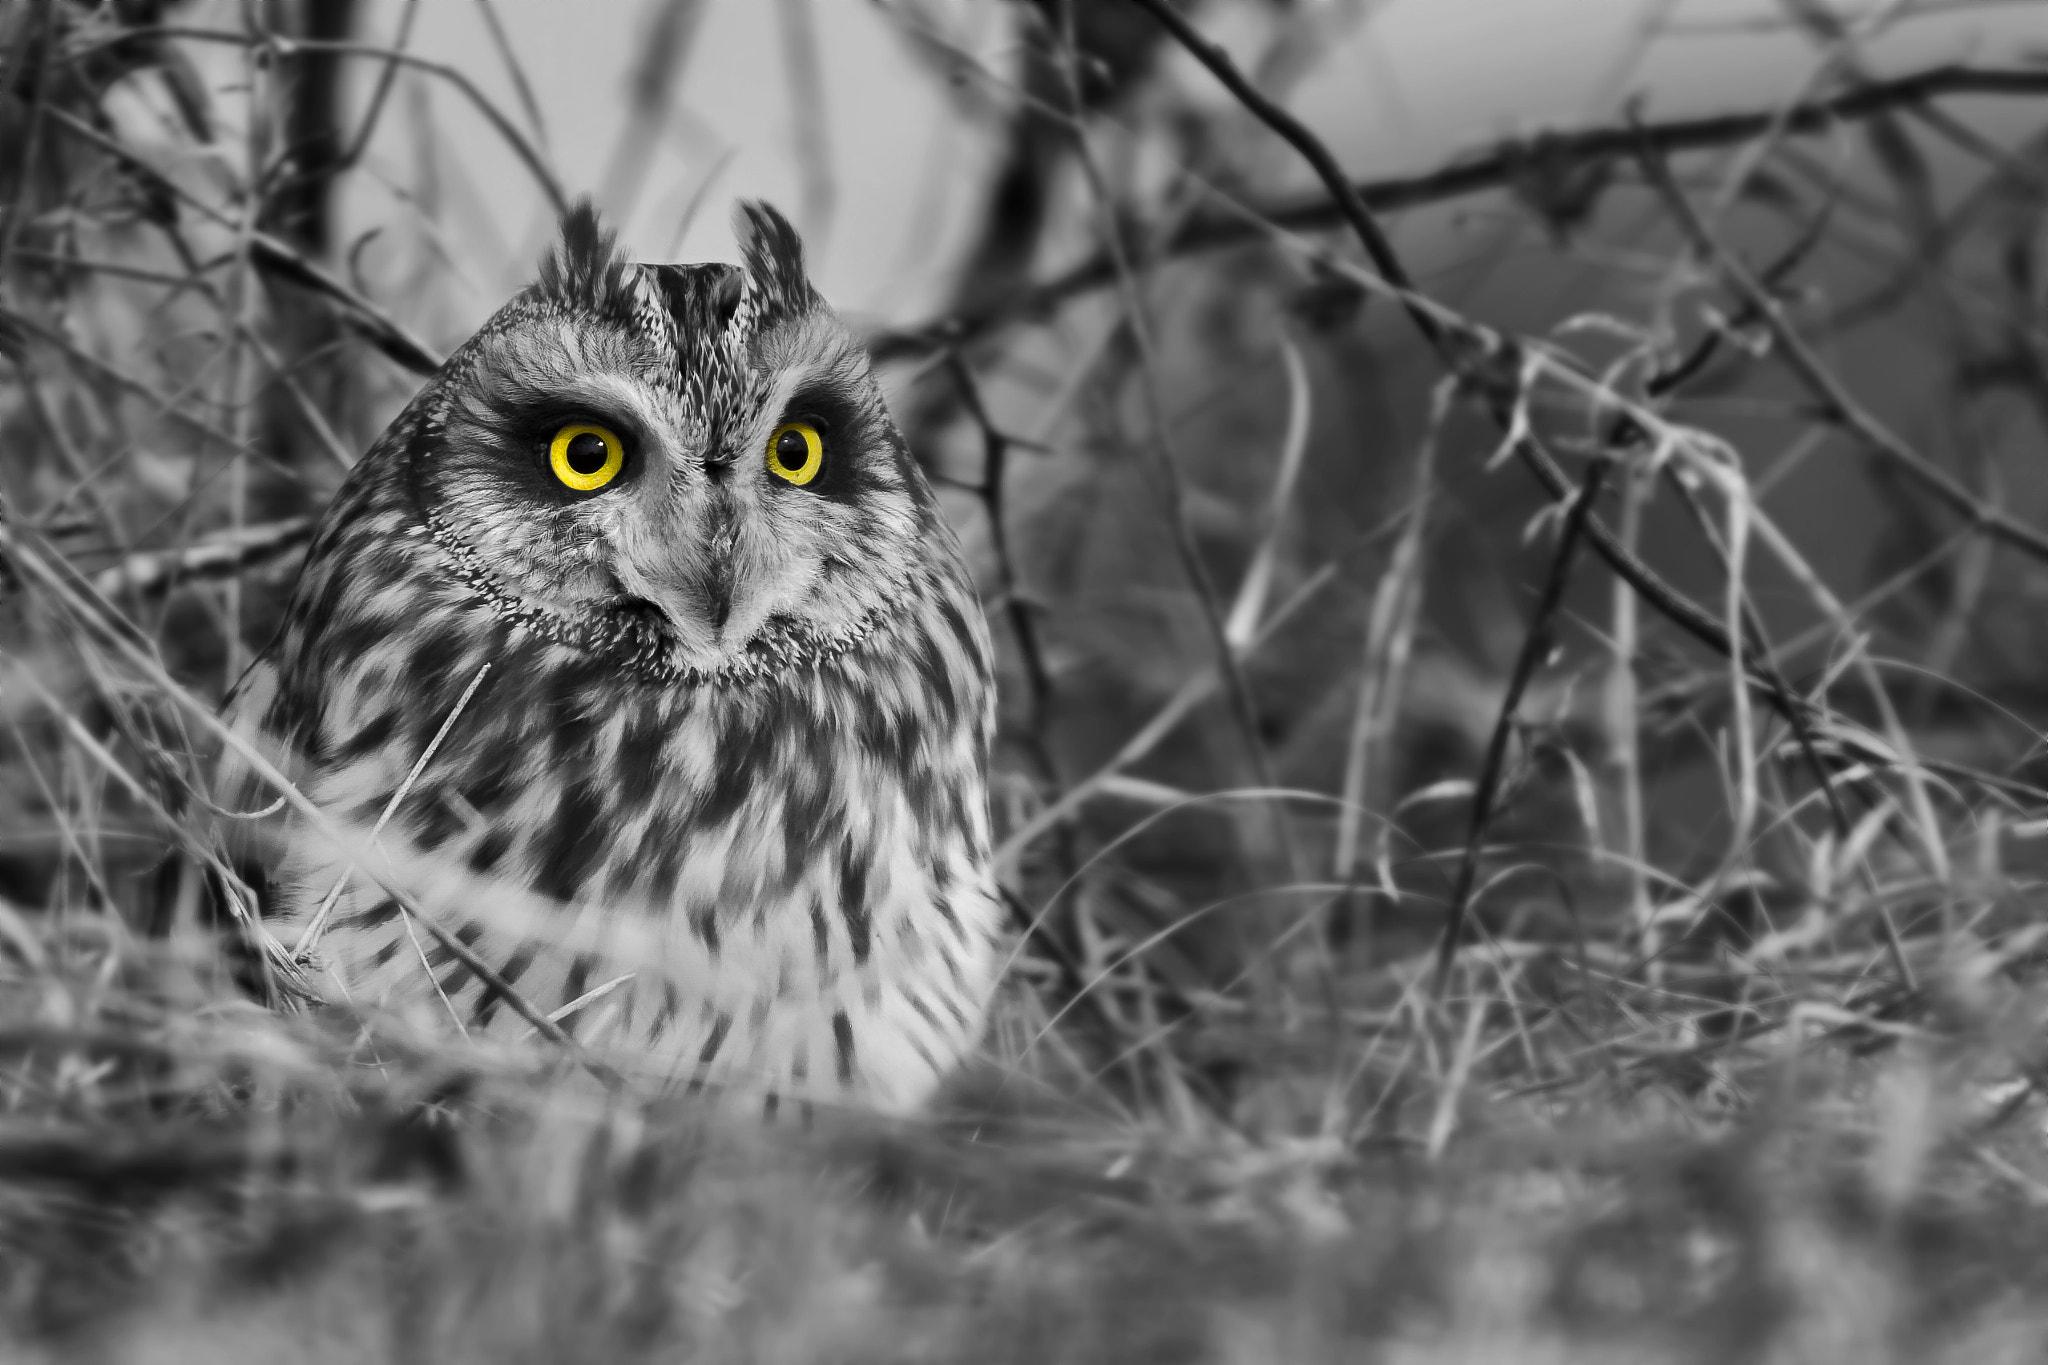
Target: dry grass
column 1459, row 918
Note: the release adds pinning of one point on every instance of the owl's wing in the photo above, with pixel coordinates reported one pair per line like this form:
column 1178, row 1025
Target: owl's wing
column 250, row 821
column 238, row 789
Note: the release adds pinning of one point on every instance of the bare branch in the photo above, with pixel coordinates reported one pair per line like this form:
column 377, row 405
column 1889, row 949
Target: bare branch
column 1536, row 645
column 217, row 556
column 1504, row 165
column 1838, row 405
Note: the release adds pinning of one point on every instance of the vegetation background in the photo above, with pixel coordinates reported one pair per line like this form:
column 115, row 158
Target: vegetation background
column 1516, row 532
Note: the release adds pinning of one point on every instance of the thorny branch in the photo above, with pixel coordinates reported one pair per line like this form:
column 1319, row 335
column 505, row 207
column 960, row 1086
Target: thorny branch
column 277, row 258
column 217, row 556
column 118, row 634
column 536, row 164
column 1837, row 405
column 1509, row 163
column 995, row 451
column 1470, row 354
column 1237, row 687
column 1474, row 355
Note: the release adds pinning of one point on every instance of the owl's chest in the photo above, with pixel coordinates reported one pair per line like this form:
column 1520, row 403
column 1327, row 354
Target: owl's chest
column 765, row 876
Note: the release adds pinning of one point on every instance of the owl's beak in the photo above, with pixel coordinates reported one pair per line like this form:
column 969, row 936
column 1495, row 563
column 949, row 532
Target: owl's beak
column 718, row 584
column 697, row 584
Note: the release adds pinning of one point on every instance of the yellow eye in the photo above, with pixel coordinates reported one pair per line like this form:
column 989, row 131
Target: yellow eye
column 796, row 452
column 586, row 457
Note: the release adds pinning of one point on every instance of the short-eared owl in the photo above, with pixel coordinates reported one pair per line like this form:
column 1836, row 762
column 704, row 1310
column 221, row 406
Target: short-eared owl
column 638, row 650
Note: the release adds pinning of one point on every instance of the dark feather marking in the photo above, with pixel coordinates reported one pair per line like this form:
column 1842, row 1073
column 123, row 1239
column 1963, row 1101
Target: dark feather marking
column 637, row 771
column 957, row 812
column 383, row 912
column 888, row 739
column 956, row 622
column 808, row 820
column 574, row 844
column 921, row 495
column 920, row 793
column 431, row 820
column 434, row 655
column 665, row 871
column 490, row 771
column 701, row 301
column 567, row 717
column 664, row 1014
column 853, row 898
column 701, row 298
column 704, row 924
column 514, row 968
column 325, row 608
column 490, row 850
column 369, row 737
column 366, row 811
column 343, row 640
column 439, row 954
column 576, row 981
column 842, row 1038
column 821, row 938
column 719, row 1028
column 745, row 748
column 930, row 662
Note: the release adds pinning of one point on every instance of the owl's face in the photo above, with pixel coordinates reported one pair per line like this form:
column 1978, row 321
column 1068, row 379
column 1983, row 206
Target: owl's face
column 700, row 446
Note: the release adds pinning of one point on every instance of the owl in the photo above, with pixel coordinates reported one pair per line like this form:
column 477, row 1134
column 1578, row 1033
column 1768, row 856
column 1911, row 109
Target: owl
column 637, row 655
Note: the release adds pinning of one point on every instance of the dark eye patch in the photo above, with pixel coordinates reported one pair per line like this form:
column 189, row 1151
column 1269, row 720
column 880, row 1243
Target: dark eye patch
column 836, row 409
column 524, row 429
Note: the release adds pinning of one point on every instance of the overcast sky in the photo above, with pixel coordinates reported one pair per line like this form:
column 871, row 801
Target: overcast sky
column 1398, row 85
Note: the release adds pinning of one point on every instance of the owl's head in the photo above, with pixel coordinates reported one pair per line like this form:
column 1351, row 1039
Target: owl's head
column 697, row 455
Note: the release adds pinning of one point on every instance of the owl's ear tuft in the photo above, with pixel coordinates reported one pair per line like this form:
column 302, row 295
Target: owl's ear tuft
column 775, row 262
column 585, row 272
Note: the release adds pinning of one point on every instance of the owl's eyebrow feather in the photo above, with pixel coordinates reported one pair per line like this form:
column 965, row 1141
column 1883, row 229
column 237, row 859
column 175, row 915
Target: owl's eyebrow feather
column 829, row 397
column 540, row 412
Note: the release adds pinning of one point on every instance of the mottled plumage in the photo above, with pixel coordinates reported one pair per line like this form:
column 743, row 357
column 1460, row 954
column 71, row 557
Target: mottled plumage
column 731, row 733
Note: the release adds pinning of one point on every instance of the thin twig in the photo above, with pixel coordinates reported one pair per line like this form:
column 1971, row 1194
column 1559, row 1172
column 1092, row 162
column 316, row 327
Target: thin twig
column 381, row 95
column 36, row 43
column 535, row 163
column 218, row 556
column 100, row 617
column 1508, row 160
column 1838, row 405
column 516, row 69
column 995, row 448
column 278, row 259
column 310, row 937
column 1536, row 646
column 1477, row 358
column 1236, row 686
